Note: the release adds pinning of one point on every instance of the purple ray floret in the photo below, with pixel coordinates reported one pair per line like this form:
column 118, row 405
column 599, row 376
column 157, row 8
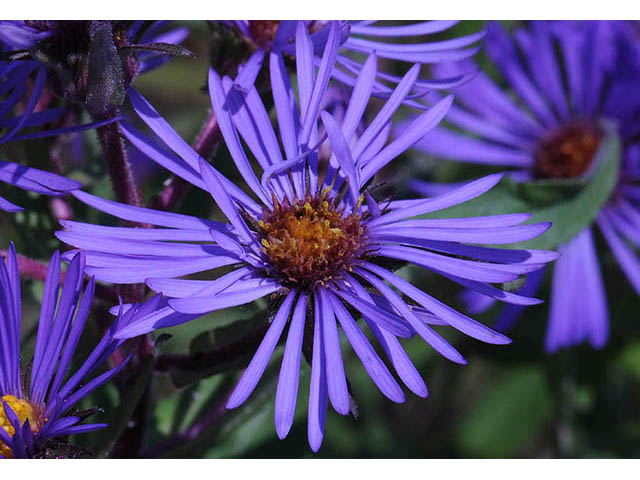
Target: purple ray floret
column 308, row 39
column 311, row 236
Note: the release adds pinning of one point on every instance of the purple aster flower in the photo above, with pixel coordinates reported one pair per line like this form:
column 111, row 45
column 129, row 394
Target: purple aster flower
column 34, row 414
column 312, row 236
column 563, row 80
column 358, row 40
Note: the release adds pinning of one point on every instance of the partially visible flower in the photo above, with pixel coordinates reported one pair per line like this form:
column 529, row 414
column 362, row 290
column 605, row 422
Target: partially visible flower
column 54, row 53
column 87, row 59
column 24, row 81
column 404, row 44
column 563, row 79
column 32, row 416
column 22, row 88
column 315, row 239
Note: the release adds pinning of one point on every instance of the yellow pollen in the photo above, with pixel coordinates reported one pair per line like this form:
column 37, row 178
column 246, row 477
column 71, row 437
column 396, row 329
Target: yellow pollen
column 25, row 411
column 309, row 242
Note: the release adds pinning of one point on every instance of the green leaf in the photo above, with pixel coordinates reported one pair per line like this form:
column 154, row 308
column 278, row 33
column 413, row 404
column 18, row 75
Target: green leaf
column 508, row 415
column 214, row 433
column 571, row 205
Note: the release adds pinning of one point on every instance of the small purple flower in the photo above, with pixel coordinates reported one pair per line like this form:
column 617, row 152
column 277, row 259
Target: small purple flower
column 563, row 79
column 359, row 39
column 34, row 414
column 315, row 239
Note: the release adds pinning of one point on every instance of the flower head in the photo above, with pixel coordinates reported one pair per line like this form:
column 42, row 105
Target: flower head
column 549, row 126
column 34, row 414
column 314, row 238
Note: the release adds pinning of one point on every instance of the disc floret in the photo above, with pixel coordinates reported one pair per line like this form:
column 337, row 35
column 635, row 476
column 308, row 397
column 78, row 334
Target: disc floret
column 24, row 410
column 309, row 242
column 568, row 152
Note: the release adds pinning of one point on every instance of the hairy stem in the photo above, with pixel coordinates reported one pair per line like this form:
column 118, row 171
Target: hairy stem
column 119, row 167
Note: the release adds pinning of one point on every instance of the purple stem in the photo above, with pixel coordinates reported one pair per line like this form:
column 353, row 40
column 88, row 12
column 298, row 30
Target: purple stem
column 124, row 185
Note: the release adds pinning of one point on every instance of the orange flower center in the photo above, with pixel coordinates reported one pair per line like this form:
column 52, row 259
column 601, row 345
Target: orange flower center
column 309, row 242
column 263, row 32
column 569, row 152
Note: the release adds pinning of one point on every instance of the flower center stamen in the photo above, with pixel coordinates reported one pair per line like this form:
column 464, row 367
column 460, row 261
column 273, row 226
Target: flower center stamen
column 24, row 411
column 309, row 242
column 263, row 32
column 569, row 152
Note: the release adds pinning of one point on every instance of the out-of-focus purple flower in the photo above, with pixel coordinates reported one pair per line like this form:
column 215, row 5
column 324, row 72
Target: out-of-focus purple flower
column 563, row 79
column 33, row 415
column 407, row 44
column 315, row 238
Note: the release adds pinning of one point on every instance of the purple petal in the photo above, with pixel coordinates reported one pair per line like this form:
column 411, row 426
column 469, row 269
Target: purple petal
column 376, row 369
column 427, row 333
column 200, row 305
column 287, row 391
column 459, row 195
column 247, row 77
column 258, row 364
column 336, row 380
column 318, row 385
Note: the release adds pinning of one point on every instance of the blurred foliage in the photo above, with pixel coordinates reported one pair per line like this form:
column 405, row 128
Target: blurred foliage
column 509, row 401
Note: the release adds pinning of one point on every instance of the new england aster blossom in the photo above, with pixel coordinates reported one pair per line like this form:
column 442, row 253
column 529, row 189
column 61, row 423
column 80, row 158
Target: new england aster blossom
column 315, row 238
column 357, row 40
column 34, row 414
column 563, row 79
